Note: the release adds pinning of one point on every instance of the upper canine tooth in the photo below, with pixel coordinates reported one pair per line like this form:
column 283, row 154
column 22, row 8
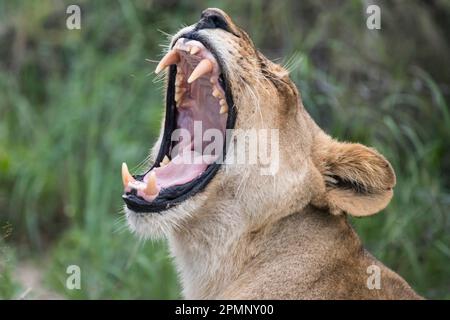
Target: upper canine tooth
column 171, row 57
column 151, row 188
column 195, row 50
column 126, row 176
column 205, row 66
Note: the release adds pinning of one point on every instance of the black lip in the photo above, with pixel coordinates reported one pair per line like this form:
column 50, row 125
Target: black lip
column 174, row 195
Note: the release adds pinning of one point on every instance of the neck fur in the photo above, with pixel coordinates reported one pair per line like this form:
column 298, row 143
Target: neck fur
column 209, row 259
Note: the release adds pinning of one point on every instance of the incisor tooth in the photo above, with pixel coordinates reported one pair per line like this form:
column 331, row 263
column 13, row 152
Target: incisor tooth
column 126, row 176
column 171, row 57
column 151, row 188
column 165, row 161
column 204, row 66
column 195, row 50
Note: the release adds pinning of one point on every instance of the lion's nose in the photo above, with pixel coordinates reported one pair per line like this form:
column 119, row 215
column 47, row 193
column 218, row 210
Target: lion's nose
column 211, row 19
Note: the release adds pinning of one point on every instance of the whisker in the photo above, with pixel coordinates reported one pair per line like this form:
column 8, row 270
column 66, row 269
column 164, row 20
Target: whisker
column 165, row 33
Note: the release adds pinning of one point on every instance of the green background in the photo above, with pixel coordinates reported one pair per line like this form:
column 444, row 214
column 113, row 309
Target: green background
column 74, row 104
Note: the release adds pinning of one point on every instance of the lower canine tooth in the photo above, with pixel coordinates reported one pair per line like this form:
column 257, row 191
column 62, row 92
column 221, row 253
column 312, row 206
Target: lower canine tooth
column 151, row 188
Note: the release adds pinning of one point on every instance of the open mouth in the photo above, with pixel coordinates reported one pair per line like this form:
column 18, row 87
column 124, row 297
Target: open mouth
column 198, row 102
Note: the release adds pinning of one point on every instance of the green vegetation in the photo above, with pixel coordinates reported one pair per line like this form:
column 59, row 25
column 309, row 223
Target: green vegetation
column 75, row 104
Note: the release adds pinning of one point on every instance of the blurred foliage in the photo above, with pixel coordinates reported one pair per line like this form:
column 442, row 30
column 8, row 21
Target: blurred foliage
column 75, row 104
column 8, row 286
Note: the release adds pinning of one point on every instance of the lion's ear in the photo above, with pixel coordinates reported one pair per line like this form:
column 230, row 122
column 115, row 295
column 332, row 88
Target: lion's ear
column 359, row 181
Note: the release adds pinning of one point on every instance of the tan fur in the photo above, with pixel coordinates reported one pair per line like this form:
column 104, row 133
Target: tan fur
column 286, row 236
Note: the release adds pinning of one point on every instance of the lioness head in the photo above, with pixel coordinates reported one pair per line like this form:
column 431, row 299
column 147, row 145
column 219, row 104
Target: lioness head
column 225, row 100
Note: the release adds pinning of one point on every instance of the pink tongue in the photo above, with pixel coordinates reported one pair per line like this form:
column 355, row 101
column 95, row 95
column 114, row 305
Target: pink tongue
column 180, row 170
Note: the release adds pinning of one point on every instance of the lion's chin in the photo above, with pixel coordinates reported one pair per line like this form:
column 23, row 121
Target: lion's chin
column 157, row 225
column 148, row 226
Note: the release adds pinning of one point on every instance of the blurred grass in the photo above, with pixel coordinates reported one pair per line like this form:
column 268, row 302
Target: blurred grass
column 75, row 104
column 8, row 286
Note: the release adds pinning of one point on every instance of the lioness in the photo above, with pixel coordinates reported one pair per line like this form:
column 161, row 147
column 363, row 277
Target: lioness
column 234, row 232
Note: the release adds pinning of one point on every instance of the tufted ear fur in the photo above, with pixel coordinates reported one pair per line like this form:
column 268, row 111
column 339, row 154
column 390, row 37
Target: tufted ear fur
column 358, row 180
column 271, row 67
